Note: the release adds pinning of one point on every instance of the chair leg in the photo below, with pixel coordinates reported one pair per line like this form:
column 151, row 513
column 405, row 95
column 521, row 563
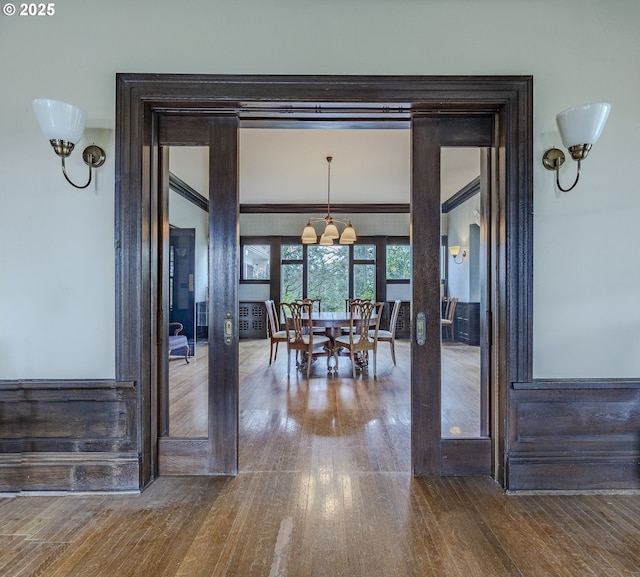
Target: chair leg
column 270, row 352
column 187, row 350
column 393, row 351
column 374, row 353
column 288, row 363
column 353, row 363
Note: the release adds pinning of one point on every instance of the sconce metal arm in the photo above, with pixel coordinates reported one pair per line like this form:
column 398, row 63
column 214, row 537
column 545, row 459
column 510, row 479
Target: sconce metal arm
column 93, row 157
column 64, row 171
column 554, row 158
column 574, row 182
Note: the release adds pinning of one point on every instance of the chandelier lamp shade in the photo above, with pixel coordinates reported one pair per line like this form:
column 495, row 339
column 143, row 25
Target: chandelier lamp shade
column 330, row 232
column 580, row 127
column 63, row 124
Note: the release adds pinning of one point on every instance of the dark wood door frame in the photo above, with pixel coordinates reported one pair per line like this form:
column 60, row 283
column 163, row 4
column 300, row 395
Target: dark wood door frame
column 322, row 100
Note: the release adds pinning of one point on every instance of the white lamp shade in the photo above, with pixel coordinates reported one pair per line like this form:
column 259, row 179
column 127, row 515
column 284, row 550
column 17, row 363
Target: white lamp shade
column 324, row 241
column 59, row 120
column 582, row 124
column 348, row 235
column 331, row 231
column 309, row 235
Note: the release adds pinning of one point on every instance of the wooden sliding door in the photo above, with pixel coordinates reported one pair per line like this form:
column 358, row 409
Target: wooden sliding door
column 435, row 452
column 205, row 441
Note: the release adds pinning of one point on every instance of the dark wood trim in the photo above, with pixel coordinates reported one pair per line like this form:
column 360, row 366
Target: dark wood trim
column 426, row 362
column 464, row 194
column 186, row 191
column 224, row 243
column 322, row 208
column 68, row 435
column 575, row 435
column 502, row 102
column 574, row 384
column 474, row 453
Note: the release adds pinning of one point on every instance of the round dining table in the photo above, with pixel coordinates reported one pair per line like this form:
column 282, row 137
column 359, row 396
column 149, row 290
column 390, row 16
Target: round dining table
column 333, row 322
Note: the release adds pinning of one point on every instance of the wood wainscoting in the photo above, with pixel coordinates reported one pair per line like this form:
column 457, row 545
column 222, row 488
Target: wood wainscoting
column 68, row 436
column 574, row 435
column 82, row 436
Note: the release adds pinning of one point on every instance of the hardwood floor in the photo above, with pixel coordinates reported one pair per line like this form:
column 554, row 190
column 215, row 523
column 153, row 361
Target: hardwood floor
column 460, row 375
column 324, row 490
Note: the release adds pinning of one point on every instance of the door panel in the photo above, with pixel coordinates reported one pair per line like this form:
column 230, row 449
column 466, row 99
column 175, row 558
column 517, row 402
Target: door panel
column 213, row 449
column 182, row 306
column 432, row 453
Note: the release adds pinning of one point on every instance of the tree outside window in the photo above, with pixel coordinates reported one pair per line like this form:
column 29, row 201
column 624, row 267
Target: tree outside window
column 328, row 275
column 398, row 262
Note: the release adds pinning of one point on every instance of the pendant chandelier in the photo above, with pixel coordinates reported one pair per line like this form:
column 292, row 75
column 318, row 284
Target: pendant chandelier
column 330, row 233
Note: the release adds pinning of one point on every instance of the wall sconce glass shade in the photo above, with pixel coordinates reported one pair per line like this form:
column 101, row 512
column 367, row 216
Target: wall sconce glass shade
column 63, row 124
column 59, row 120
column 455, row 251
column 582, row 125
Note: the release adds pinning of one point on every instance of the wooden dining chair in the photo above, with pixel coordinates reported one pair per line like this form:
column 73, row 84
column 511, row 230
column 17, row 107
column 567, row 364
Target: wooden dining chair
column 447, row 320
column 300, row 336
column 352, row 305
column 316, row 306
column 361, row 338
column 276, row 335
column 389, row 336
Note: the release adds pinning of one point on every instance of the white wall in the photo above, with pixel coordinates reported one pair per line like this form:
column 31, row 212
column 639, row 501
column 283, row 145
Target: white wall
column 56, row 243
column 457, row 231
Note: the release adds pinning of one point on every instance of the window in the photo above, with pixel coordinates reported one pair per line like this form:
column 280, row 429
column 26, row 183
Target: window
column 328, row 275
column 364, row 271
column 398, row 262
column 256, row 262
column 292, row 269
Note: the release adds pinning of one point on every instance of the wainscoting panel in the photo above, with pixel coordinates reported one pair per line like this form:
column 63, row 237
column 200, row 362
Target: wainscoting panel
column 68, row 436
column 574, row 435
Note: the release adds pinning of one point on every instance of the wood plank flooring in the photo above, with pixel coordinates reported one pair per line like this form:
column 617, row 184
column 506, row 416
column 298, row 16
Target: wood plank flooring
column 324, row 490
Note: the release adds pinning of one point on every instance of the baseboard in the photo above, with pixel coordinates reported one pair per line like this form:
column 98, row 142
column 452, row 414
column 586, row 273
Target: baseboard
column 69, row 472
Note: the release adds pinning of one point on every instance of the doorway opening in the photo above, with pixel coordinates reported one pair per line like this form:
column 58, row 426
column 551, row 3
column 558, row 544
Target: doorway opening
column 153, row 111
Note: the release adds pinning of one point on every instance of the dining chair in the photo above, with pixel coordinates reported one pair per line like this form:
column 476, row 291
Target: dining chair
column 178, row 341
column 361, row 338
column 276, row 335
column 316, row 306
column 389, row 336
column 352, row 305
column 300, row 336
column 447, row 320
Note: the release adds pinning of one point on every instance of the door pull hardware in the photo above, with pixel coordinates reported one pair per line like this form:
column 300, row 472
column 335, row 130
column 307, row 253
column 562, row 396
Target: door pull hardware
column 228, row 329
column 421, row 328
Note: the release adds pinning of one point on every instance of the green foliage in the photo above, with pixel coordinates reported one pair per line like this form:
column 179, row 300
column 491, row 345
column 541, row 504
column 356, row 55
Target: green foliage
column 328, row 275
column 398, row 262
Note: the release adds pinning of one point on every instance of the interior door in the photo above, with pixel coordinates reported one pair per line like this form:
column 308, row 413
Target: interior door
column 216, row 451
column 433, row 453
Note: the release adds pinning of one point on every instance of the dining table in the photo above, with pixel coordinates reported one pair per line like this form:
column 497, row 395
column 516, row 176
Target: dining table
column 333, row 323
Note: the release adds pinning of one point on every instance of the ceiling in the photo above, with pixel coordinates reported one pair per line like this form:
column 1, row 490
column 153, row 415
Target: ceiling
column 289, row 166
